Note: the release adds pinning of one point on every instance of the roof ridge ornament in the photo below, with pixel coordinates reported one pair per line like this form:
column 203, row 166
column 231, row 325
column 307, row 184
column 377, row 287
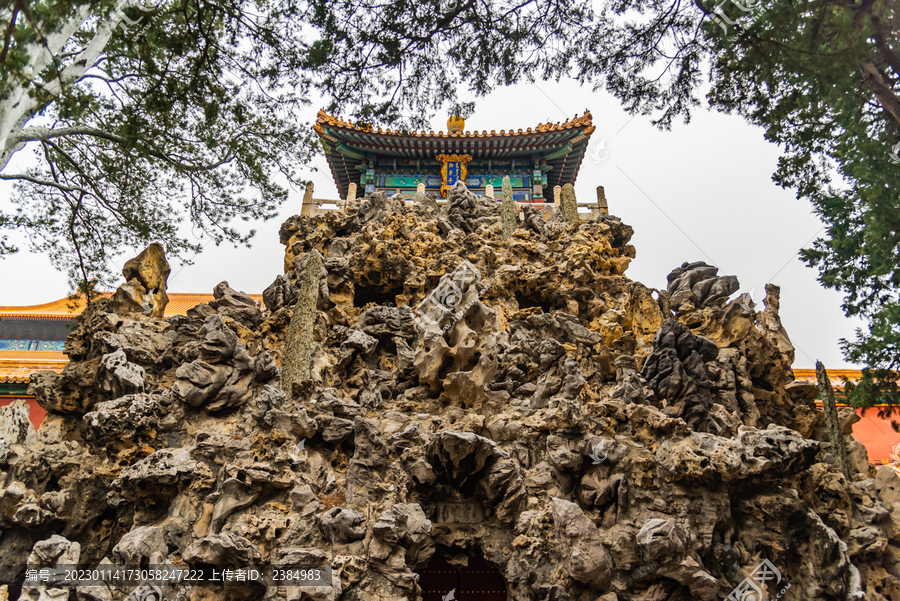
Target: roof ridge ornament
column 455, row 126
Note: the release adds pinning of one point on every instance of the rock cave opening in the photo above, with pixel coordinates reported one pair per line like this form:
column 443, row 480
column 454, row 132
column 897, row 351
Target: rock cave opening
column 52, row 484
column 370, row 294
column 762, row 384
column 528, row 301
column 466, row 576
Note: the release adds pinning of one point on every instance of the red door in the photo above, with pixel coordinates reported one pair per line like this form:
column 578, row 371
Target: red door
column 478, row 581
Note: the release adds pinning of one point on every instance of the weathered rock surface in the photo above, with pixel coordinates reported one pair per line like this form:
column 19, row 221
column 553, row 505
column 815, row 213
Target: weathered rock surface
column 14, row 425
column 588, row 437
column 144, row 290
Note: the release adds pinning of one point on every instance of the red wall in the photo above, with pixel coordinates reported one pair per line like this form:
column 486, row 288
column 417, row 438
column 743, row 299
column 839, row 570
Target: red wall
column 876, row 434
column 37, row 412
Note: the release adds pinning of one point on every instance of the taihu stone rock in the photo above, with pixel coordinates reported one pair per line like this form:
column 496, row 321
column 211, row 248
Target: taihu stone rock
column 144, row 290
column 587, row 436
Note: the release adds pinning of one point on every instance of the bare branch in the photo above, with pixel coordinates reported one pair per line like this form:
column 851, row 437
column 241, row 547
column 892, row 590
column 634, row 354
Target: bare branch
column 43, row 182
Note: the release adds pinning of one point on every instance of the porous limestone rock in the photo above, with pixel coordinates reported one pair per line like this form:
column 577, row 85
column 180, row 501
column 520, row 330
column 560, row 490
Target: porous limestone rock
column 14, row 426
column 54, row 552
column 144, row 290
column 340, row 525
column 223, row 550
column 770, row 323
column 120, row 375
column 586, row 436
column 696, row 285
column 279, row 294
column 236, row 305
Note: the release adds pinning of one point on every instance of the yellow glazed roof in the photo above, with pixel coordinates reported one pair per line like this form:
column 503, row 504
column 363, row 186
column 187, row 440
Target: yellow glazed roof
column 16, row 367
column 70, row 307
column 834, row 375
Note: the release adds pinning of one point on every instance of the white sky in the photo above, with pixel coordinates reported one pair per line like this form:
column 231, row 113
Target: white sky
column 701, row 192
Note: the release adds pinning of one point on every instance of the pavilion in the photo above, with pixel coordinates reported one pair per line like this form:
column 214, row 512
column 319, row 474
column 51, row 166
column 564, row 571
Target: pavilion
column 396, row 162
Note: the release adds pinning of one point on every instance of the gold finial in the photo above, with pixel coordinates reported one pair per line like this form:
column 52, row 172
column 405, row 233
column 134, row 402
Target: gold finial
column 455, row 124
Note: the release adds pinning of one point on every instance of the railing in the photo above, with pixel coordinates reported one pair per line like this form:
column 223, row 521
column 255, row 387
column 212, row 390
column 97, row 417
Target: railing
column 313, row 206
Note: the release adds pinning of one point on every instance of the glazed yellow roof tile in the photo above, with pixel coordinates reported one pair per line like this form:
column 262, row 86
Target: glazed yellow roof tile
column 16, row 375
column 834, row 375
column 325, row 118
column 70, row 307
column 17, row 366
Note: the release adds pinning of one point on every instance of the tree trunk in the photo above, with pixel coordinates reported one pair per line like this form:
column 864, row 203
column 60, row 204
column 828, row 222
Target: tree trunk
column 18, row 101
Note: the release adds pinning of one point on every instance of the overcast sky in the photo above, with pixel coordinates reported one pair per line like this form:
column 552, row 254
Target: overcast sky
column 701, row 192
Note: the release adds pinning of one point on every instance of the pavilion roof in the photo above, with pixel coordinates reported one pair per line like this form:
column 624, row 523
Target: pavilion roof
column 17, row 366
column 70, row 307
column 346, row 145
column 835, row 376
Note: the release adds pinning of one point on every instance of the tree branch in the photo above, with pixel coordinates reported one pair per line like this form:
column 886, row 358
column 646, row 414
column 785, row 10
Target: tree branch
column 9, row 30
column 875, row 82
column 44, row 134
column 43, row 182
column 21, row 104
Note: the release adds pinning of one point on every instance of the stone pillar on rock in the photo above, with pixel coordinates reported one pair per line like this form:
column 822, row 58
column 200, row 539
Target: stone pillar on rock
column 297, row 358
column 602, row 206
column 508, row 210
column 489, row 190
column 835, row 436
column 144, row 290
column 420, row 193
column 557, row 191
column 306, row 209
column 569, row 204
column 351, row 196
